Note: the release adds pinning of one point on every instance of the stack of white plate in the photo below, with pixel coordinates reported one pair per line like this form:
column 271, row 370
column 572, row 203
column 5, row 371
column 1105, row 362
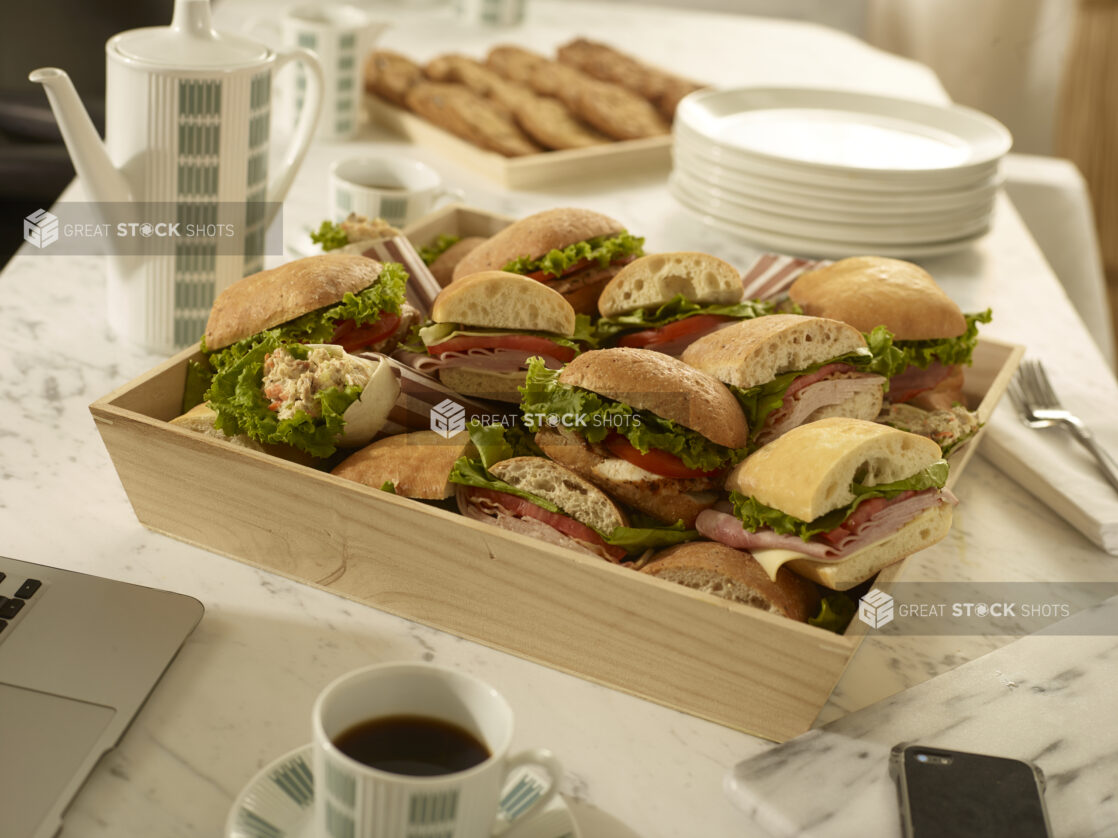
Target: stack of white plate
column 833, row 173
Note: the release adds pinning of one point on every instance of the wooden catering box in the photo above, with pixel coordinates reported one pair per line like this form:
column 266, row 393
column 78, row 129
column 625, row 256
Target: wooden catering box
column 651, row 154
column 718, row 660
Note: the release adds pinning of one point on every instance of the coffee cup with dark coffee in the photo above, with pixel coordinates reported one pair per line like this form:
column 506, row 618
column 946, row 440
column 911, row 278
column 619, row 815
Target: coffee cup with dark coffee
column 412, row 748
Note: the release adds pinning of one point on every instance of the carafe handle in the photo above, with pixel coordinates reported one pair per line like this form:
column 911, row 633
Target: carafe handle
column 304, row 126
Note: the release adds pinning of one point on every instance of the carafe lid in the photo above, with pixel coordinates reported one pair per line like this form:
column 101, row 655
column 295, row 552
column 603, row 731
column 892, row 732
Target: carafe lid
column 190, row 42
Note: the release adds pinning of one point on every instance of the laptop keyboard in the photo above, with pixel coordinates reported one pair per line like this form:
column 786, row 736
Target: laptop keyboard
column 17, row 593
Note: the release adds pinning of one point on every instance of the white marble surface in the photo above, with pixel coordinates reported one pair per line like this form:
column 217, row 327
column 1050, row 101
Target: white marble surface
column 240, row 692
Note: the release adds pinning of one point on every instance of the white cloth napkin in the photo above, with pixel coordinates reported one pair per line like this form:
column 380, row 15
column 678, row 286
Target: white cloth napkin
column 1056, row 468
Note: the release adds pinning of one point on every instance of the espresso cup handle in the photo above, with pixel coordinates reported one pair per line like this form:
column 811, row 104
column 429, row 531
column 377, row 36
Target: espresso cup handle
column 524, row 799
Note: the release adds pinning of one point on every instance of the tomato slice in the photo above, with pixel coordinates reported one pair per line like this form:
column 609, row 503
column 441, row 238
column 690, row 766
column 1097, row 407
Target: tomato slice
column 352, row 337
column 647, row 338
column 657, row 461
column 526, row 343
column 565, row 524
column 543, row 276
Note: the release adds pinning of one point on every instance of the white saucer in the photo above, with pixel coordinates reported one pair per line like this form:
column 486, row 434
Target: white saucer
column 279, row 803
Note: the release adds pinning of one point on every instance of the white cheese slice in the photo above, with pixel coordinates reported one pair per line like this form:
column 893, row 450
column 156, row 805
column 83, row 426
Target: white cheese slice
column 772, row 558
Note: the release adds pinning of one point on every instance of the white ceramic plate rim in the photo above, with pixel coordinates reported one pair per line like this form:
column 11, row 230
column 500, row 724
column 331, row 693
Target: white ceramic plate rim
column 987, row 138
column 801, row 246
column 936, row 181
column 829, row 229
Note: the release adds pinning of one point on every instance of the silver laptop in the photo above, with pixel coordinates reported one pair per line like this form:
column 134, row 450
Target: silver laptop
column 79, row 655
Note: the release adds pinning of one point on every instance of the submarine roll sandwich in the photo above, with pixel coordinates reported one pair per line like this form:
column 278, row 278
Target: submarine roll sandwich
column 648, row 429
column 789, row 369
column 665, row 301
column 836, row 501
column 574, row 251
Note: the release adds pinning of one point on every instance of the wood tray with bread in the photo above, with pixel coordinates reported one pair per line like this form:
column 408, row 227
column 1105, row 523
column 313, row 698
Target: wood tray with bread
column 605, row 621
column 526, row 119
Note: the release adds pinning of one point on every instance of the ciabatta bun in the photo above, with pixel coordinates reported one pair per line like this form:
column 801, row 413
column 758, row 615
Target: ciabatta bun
column 484, row 384
column 661, row 384
column 735, row 575
column 274, row 296
column 752, row 352
column 535, row 236
column 201, row 419
column 445, row 263
column 652, row 280
column 499, row 300
column 579, row 498
column 664, row 498
column 924, row 530
column 808, row 471
column 417, row 463
column 869, row 291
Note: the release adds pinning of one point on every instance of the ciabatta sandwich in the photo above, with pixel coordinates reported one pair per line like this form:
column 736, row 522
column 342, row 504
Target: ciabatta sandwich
column 665, row 301
column 412, row 465
column 652, row 431
column 836, row 500
column 788, row 369
column 344, row 299
column 486, row 327
column 937, row 339
column 735, row 575
column 574, row 251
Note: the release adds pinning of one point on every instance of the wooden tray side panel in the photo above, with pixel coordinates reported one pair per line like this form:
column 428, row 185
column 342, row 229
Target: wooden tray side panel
column 744, row 669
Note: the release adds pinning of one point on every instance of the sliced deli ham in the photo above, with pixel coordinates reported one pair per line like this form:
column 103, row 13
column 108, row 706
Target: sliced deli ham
column 915, row 380
column 491, row 360
column 858, row 531
column 830, row 385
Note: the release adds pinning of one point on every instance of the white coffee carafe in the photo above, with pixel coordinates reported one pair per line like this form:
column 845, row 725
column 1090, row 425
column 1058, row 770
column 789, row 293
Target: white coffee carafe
column 187, row 126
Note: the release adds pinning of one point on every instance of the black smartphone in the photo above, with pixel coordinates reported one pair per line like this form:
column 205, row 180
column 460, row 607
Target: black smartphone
column 965, row 795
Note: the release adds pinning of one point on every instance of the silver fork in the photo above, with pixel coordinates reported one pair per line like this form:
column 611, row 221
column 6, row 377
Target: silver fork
column 1039, row 407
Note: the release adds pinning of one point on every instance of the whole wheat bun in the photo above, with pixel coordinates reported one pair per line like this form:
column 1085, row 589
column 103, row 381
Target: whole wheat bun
column 663, row 385
column 484, row 384
column 445, row 263
column 869, row 291
column 536, row 235
column 274, row 296
column 499, row 300
column 924, row 530
column 807, row 472
column 417, row 464
column 735, row 575
column 752, row 352
column 664, row 498
column 579, row 498
column 653, row 280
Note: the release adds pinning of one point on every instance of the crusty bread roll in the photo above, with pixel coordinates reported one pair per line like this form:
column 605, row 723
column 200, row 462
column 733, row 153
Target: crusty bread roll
column 274, row 296
column 869, row 291
column 417, row 463
column 535, row 236
column 484, row 384
column 201, row 418
column 550, row 481
column 653, row 280
column 752, row 352
column 808, row 471
column 735, row 575
column 445, row 263
column 923, row 531
column 664, row 498
column 499, row 300
column 661, row 384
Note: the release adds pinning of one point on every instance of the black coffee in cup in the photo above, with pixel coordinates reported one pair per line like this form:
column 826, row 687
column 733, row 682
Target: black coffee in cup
column 412, row 745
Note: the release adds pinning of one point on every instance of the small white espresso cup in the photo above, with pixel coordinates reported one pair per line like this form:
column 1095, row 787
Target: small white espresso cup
column 356, row 713
column 396, row 189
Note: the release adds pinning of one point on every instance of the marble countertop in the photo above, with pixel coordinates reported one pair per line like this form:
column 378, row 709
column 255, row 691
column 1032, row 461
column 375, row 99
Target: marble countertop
column 241, row 690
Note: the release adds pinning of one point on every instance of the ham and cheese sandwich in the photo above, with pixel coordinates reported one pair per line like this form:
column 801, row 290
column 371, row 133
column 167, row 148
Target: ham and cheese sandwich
column 486, row 327
column 789, row 369
column 937, row 339
column 574, row 251
column 666, row 301
column 836, row 500
column 652, row 431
